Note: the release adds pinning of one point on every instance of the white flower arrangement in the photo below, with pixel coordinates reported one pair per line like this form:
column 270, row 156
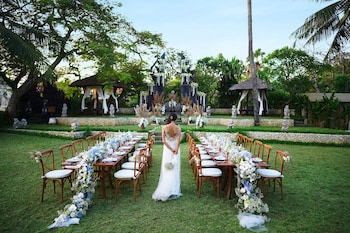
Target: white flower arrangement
column 170, row 165
column 143, row 121
column 247, row 190
column 85, row 182
column 36, row 155
column 201, row 121
column 74, row 125
column 155, row 119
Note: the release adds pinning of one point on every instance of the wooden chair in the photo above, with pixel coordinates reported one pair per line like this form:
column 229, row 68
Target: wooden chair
column 213, row 174
column 248, row 143
column 239, row 139
column 131, row 166
column 78, row 146
column 274, row 174
column 67, row 151
column 92, row 140
column 265, row 154
column 133, row 176
column 49, row 173
column 102, row 136
column 257, row 148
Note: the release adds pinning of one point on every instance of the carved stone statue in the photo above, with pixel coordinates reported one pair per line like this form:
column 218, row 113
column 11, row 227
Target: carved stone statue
column 111, row 110
column 64, row 110
column 286, row 112
column 234, row 111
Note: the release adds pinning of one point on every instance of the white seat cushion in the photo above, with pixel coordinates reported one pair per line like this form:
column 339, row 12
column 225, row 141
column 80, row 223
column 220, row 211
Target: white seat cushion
column 205, row 157
column 129, row 165
column 141, row 145
column 211, row 172
column 208, row 163
column 269, row 173
column 125, row 173
column 58, row 173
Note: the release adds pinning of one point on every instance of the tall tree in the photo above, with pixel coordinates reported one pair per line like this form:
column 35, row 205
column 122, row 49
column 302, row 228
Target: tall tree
column 252, row 65
column 215, row 76
column 331, row 21
column 37, row 36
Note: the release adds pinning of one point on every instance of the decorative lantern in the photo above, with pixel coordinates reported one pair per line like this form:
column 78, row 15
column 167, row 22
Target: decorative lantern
column 40, row 88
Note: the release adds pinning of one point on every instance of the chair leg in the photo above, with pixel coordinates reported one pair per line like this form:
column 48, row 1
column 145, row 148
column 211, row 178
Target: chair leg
column 116, row 189
column 43, row 190
column 134, row 188
column 281, row 188
column 199, row 186
column 61, row 194
column 217, row 180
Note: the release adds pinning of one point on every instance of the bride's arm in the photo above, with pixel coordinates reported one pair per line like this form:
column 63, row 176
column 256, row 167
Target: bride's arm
column 165, row 141
column 178, row 140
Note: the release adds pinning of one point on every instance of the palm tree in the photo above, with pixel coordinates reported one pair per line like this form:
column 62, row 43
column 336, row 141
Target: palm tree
column 333, row 20
column 252, row 65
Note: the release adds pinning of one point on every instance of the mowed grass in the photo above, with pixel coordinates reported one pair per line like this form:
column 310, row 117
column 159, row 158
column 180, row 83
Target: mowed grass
column 316, row 188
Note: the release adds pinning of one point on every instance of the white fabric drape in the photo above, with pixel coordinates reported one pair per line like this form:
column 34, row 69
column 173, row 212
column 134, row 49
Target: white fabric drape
column 86, row 94
column 261, row 106
column 102, row 97
column 244, row 94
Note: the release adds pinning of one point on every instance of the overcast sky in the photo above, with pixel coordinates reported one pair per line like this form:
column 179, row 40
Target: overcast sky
column 208, row 27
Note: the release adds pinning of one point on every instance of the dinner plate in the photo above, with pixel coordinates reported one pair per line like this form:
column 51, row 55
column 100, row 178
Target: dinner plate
column 73, row 160
column 220, row 158
column 107, row 160
column 118, row 153
column 257, row 160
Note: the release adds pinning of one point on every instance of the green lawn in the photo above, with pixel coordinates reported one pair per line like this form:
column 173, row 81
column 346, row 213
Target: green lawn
column 316, row 188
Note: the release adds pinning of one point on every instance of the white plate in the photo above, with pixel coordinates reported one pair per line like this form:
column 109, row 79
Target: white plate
column 118, row 153
column 73, row 160
column 220, row 158
column 257, row 160
column 107, row 160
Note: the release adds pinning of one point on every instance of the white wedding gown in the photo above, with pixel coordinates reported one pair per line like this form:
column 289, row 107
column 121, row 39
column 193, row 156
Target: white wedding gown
column 169, row 181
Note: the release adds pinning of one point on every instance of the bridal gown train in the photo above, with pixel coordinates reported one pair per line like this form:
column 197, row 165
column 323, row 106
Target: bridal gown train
column 169, row 181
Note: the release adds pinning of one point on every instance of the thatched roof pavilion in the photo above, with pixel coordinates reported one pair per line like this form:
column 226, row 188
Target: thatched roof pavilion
column 92, row 86
column 246, row 89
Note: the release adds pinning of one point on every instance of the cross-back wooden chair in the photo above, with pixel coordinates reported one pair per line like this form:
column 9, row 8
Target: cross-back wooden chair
column 265, row 154
column 131, row 175
column 78, row 146
column 213, row 174
column 248, row 143
column 91, row 140
column 257, row 148
column 274, row 174
column 239, row 139
column 143, row 152
column 49, row 173
column 67, row 151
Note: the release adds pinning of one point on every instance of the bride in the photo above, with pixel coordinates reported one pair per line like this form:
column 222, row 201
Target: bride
column 169, row 181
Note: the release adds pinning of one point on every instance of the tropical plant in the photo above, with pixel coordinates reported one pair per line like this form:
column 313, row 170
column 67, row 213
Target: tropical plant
column 331, row 21
column 215, row 76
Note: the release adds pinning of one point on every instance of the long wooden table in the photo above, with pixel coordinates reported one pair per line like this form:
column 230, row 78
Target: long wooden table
column 104, row 165
column 228, row 166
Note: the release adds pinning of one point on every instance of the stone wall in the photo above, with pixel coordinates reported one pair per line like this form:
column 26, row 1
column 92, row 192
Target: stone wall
column 291, row 137
column 112, row 121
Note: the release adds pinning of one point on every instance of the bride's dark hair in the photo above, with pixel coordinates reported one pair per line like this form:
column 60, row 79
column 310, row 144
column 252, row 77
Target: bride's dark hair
column 172, row 117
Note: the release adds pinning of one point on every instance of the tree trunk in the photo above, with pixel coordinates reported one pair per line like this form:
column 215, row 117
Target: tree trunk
column 252, row 65
column 16, row 96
